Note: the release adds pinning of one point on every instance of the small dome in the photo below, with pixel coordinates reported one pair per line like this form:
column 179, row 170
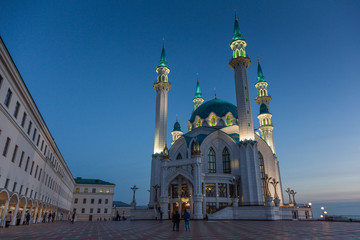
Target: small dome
column 217, row 106
column 263, row 108
column 177, row 126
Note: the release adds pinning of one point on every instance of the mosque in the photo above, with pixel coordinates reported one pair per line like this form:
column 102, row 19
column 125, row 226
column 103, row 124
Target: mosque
column 221, row 168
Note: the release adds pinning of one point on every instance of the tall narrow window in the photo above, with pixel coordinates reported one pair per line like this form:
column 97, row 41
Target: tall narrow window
column 34, row 135
column 262, row 172
column 21, row 159
column 226, row 160
column 1, row 80
column 7, row 183
column 27, row 164
column 16, row 111
column 8, row 98
column 6, row 147
column 179, row 156
column 36, row 170
column 29, row 128
column 38, row 140
column 42, row 145
column 23, row 119
column 212, row 161
column 14, row 187
column 39, row 174
column 32, row 167
column 14, row 153
column 21, row 188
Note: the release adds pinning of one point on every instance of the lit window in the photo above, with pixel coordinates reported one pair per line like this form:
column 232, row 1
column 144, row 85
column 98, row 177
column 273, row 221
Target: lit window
column 86, row 190
column 107, row 190
column 101, row 190
column 210, row 190
column 77, row 190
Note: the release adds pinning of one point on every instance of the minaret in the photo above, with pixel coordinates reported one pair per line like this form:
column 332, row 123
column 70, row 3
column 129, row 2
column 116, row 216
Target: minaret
column 198, row 100
column 176, row 132
column 162, row 86
column 263, row 99
column 251, row 184
column 239, row 63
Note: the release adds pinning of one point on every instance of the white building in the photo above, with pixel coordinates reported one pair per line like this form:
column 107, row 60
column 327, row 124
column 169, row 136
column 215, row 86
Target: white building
column 34, row 177
column 93, row 199
column 220, row 168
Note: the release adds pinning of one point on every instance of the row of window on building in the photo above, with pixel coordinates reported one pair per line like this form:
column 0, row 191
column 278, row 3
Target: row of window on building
column 91, row 210
column 86, row 190
column 92, row 201
column 36, row 136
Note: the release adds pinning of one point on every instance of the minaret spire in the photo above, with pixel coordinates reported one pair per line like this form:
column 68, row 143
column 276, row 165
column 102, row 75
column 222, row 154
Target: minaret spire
column 162, row 86
column 198, row 100
column 263, row 99
column 252, row 184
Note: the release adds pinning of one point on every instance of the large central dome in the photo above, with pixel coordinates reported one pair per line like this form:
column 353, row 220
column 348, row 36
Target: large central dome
column 217, row 106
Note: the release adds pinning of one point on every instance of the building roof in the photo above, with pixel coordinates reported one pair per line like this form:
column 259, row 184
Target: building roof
column 177, row 126
column 163, row 62
column 217, row 106
column 120, row 204
column 260, row 76
column 80, row 180
column 237, row 34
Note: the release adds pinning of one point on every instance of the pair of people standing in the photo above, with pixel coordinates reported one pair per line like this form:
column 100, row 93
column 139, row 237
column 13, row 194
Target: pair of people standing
column 176, row 220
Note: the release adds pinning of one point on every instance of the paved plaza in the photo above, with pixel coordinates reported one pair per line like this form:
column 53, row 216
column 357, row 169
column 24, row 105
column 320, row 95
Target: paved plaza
column 199, row 230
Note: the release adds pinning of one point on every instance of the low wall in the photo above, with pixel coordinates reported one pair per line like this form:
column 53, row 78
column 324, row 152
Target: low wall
column 142, row 214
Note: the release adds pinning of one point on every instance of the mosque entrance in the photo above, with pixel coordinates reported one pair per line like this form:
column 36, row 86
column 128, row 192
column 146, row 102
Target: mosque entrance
column 180, row 196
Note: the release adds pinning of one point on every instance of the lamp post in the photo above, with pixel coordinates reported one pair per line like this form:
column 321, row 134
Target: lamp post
column 276, row 196
column 292, row 192
column 324, row 213
column 288, row 190
column 134, row 188
column 236, row 181
column 268, row 198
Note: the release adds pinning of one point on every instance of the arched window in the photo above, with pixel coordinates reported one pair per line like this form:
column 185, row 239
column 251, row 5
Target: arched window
column 212, row 161
column 262, row 172
column 242, row 52
column 226, row 160
column 179, row 156
column 163, row 78
column 237, row 53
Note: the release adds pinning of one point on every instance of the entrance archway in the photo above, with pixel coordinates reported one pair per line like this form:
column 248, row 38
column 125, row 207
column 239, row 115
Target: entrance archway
column 12, row 207
column 4, row 197
column 180, row 191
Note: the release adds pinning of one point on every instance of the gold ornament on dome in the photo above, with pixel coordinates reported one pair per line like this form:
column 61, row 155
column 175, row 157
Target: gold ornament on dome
column 166, row 152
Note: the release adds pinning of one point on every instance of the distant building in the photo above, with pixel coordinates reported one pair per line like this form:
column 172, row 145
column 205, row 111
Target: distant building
column 34, row 176
column 93, row 199
column 121, row 208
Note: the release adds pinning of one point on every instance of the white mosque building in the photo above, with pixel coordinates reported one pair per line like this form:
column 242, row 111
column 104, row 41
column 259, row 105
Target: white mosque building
column 221, row 168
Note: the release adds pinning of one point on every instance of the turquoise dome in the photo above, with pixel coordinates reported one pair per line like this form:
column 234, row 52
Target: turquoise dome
column 177, row 126
column 217, row 106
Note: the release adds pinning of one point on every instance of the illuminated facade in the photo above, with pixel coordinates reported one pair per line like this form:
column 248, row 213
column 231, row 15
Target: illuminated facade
column 220, row 168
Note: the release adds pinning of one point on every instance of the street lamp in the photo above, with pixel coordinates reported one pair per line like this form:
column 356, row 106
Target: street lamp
column 134, row 188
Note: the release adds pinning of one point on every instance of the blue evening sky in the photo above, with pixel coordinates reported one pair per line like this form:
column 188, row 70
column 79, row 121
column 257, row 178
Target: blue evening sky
column 90, row 66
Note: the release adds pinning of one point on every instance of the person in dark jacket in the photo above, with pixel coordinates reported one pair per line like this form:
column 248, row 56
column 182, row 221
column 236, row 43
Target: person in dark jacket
column 186, row 217
column 176, row 221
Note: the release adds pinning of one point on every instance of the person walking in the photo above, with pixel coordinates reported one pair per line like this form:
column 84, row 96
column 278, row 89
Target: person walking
column 8, row 219
column 73, row 218
column 18, row 218
column 186, row 217
column 27, row 218
column 176, row 221
column 53, row 216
